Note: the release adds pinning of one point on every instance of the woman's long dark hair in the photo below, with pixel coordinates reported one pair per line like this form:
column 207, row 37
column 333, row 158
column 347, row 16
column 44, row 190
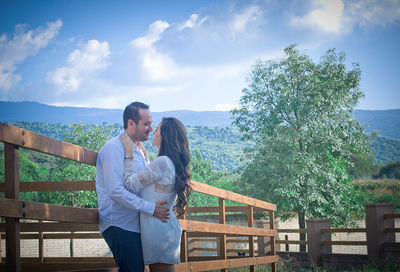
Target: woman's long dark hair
column 174, row 144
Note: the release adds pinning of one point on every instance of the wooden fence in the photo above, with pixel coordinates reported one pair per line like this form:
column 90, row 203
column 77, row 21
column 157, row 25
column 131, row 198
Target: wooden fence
column 69, row 219
column 378, row 241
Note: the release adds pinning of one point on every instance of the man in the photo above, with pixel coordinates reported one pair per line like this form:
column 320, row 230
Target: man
column 118, row 208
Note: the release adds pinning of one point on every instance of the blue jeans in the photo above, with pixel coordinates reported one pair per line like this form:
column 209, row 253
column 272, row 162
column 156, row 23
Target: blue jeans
column 126, row 248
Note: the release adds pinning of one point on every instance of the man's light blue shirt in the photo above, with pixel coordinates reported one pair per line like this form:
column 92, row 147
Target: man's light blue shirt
column 117, row 206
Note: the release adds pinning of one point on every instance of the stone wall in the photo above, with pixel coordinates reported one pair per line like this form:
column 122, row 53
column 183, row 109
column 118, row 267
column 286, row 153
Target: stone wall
column 61, row 248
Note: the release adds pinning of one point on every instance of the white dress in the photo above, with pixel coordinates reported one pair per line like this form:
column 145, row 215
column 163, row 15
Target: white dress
column 160, row 241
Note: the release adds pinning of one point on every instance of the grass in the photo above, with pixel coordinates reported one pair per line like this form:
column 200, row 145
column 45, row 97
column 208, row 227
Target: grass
column 381, row 267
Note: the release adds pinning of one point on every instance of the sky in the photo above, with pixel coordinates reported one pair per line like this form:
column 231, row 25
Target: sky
column 185, row 55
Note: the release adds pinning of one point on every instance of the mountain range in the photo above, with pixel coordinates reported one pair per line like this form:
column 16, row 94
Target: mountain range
column 36, row 112
column 385, row 122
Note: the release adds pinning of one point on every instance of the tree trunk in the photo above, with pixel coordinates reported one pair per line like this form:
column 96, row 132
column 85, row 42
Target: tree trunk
column 302, row 225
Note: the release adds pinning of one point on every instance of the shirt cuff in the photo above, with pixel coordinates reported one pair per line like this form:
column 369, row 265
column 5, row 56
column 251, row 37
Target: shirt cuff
column 149, row 207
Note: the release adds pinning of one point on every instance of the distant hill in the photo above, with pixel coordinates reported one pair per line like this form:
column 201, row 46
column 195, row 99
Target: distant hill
column 385, row 150
column 386, row 122
column 36, row 112
column 221, row 146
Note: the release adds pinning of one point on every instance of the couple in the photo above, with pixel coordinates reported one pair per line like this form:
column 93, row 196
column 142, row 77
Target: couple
column 138, row 199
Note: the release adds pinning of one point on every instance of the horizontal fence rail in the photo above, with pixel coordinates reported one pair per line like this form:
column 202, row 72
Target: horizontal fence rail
column 344, row 243
column 72, row 219
column 392, row 216
column 292, row 230
column 227, row 195
column 53, row 227
column 28, row 139
column 51, row 186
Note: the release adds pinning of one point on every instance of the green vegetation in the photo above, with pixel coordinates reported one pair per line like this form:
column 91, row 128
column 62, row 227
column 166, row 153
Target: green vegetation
column 380, row 267
column 385, row 150
column 379, row 191
column 385, row 122
column 221, row 146
column 389, row 170
column 35, row 166
column 203, row 172
column 296, row 144
column 92, row 138
column 299, row 113
column 29, row 170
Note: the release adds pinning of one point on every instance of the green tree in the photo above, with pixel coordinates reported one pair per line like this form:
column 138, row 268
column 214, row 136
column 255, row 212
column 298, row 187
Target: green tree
column 29, row 171
column 390, row 171
column 203, row 172
column 91, row 137
column 299, row 114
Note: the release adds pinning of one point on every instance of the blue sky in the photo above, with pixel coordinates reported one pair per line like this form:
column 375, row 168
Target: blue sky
column 178, row 55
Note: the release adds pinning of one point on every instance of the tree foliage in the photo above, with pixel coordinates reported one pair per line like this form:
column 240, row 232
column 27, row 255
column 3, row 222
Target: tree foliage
column 93, row 138
column 221, row 146
column 202, row 171
column 389, row 170
column 299, row 113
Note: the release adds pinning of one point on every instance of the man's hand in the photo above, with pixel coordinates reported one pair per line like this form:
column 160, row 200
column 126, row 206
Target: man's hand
column 160, row 211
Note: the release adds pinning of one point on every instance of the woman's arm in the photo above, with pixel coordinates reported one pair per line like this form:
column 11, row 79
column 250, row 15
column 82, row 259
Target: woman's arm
column 136, row 181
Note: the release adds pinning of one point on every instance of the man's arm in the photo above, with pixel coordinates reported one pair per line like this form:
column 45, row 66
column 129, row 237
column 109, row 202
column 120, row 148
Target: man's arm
column 113, row 169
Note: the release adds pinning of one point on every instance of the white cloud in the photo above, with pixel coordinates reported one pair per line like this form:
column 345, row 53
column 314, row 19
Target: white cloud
column 192, row 22
column 337, row 16
column 7, row 77
column 153, row 35
column 24, row 43
column 113, row 95
column 80, row 65
column 171, row 64
column 156, row 65
column 326, row 16
column 373, row 12
column 241, row 20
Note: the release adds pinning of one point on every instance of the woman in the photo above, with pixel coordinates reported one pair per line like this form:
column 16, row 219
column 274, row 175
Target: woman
column 166, row 178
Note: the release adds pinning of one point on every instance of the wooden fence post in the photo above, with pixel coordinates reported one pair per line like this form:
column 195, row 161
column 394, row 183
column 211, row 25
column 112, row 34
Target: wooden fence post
column 13, row 247
column 0, row 245
column 315, row 236
column 376, row 225
column 250, row 220
column 222, row 239
column 286, row 245
column 41, row 248
column 273, row 248
column 263, row 243
column 184, row 243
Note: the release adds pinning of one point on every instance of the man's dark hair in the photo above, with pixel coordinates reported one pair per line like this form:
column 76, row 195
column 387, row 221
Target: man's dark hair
column 132, row 112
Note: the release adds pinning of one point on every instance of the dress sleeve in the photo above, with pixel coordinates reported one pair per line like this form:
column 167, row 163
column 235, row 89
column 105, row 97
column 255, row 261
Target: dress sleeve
column 153, row 172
